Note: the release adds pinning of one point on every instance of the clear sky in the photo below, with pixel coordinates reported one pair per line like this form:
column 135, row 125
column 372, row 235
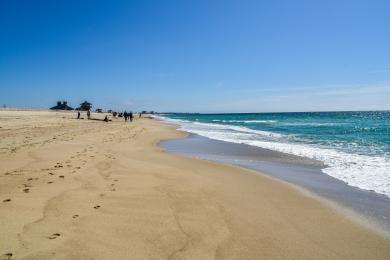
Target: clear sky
column 196, row 56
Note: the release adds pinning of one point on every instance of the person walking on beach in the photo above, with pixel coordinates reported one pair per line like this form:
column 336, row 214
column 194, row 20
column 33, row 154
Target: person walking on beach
column 125, row 115
column 131, row 116
column 89, row 114
column 78, row 114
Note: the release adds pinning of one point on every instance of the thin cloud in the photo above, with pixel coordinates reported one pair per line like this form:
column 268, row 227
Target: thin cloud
column 379, row 71
column 332, row 98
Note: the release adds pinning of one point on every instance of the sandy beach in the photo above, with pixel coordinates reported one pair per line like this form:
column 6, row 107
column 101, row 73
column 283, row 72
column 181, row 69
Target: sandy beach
column 86, row 189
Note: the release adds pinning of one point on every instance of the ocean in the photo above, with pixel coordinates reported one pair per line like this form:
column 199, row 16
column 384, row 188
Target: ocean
column 354, row 146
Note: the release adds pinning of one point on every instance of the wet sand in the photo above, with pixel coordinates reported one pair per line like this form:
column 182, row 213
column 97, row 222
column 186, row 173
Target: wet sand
column 79, row 189
column 368, row 208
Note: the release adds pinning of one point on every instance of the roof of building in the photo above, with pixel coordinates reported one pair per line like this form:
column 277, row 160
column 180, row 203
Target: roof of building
column 62, row 106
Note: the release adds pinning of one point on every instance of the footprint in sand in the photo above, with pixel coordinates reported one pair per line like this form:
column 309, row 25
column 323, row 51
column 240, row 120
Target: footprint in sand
column 7, row 200
column 51, row 173
column 61, row 176
column 96, row 207
column 54, row 236
column 59, row 165
column 7, row 256
column 75, row 216
column 26, row 190
column 30, row 179
column 49, row 182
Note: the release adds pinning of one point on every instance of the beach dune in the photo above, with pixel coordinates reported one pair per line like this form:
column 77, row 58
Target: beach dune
column 84, row 189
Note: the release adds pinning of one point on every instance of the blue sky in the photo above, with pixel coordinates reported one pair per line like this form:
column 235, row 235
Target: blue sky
column 196, row 56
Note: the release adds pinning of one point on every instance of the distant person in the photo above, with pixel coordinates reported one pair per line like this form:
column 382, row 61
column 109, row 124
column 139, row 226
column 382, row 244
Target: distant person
column 78, row 114
column 140, row 114
column 105, row 119
column 89, row 114
column 131, row 116
column 125, row 115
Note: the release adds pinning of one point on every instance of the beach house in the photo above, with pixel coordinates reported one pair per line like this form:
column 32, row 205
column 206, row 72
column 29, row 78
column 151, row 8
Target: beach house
column 85, row 106
column 62, row 106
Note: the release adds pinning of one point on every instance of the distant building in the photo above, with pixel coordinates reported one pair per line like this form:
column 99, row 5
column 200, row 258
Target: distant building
column 62, row 106
column 85, row 106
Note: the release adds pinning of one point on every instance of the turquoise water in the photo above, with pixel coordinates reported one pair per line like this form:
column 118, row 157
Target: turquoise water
column 355, row 146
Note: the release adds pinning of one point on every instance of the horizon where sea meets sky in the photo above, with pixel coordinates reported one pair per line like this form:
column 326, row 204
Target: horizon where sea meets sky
column 196, row 56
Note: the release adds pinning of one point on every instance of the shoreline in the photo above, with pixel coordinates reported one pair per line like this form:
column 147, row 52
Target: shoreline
column 113, row 192
column 367, row 208
column 353, row 147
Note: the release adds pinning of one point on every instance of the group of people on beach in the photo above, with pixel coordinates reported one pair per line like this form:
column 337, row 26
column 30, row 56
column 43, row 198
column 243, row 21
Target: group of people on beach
column 127, row 116
column 88, row 115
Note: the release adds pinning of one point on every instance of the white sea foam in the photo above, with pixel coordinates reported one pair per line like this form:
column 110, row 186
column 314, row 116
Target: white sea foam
column 362, row 171
column 223, row 128
column 245, row 121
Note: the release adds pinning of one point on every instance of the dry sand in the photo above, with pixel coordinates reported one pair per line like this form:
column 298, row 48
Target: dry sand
column 79, row 189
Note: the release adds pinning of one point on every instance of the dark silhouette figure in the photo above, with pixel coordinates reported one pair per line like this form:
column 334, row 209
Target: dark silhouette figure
column 78, row 115
column 89, row 114
column 140, row 114
column 125, row 116
column 106, row 119
column 131, row 116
